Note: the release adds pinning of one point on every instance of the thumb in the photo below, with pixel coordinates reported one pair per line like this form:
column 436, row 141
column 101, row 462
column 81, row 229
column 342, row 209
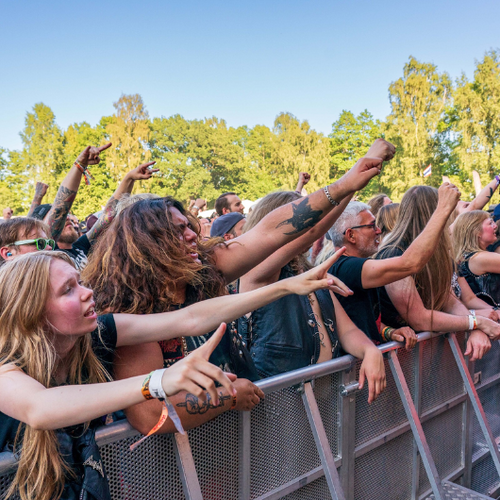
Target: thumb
column 469, row 348
column 323, row 268
column 361, row 377
column 208, row 348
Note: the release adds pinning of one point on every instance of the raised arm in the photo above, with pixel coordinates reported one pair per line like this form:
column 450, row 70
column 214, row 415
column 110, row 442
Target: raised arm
column 142, row 172
column 484, row 196
column 204, row 316
column 304, row 178
column 290, row 221
column 380, row 272
column 25, row 399
column 40, row 192
column 56, row 218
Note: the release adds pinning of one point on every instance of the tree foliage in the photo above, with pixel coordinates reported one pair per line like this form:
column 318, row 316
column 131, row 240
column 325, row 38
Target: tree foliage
column 454, row 126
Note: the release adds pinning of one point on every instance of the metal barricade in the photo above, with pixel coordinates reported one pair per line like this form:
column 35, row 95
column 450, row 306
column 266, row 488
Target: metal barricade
column 315, row 436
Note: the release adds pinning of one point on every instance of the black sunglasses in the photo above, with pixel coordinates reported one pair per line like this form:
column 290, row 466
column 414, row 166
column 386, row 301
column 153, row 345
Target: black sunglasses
column 373, row 225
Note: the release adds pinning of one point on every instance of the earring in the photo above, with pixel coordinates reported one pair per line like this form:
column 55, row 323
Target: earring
column 9, row 254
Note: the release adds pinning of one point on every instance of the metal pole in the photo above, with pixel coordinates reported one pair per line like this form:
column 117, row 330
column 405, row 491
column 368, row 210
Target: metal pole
column 416, row 427
column 187, row 469
column 321, row 440
column 245, row 455
column 474, row 399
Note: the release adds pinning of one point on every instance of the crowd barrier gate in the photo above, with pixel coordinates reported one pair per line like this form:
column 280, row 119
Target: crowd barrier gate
column 433, row 433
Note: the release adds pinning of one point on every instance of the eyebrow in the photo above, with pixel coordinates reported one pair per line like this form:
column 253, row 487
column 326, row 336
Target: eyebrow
column 65, row 284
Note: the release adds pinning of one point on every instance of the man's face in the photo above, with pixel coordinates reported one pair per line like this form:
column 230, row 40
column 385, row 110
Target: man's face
column 7, row 213
column 235, row 204
column 367, row 238
column 69, row 234
column 236, row 230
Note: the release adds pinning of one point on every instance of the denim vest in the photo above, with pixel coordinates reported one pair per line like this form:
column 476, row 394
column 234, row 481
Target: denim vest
column 284, row 336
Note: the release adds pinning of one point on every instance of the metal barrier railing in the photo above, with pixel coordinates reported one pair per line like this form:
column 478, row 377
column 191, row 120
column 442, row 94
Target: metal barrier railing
column 316, row 437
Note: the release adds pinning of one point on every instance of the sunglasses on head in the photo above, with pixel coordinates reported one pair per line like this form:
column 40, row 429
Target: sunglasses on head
column 40, row 243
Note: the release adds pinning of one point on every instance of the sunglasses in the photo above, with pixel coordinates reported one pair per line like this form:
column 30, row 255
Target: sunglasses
column 373, row 225
column 41, row 243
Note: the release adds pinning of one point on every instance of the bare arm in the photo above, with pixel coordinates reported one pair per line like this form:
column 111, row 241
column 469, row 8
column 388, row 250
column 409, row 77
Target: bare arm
column 25, row 399
column 304, row 178
column 204, row 316
column 290, row 221
column 356, row 343
column 380, row 272
column 56, row 218
column 484, row 197
column 485, row 262
column 126, row 185
column 471, row 301
column 40, row 192
column 192, row 410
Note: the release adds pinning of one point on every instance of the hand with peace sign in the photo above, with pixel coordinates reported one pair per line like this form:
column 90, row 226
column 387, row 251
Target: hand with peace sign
column 90, row 155
column 195, row 374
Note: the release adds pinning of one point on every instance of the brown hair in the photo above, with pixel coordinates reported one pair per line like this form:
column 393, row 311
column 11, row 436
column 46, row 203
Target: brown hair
column 26, row 341
column 221, row 202
column 376, row 203
column 386, row 218
column 434, row 280
column 466, row 232
column 140, row 261
column 265, row 206
column 12, row 230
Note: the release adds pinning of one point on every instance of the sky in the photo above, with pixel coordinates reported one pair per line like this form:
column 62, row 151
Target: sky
column 242, row 61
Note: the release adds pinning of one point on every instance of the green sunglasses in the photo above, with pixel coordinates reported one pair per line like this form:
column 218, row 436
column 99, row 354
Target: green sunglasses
column 41, row 243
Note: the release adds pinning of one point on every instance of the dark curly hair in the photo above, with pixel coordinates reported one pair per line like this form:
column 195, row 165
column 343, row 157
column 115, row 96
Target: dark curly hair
column 140, row 261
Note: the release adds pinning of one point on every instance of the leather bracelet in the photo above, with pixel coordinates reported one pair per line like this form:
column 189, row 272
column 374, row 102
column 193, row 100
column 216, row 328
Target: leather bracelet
column 329, row 197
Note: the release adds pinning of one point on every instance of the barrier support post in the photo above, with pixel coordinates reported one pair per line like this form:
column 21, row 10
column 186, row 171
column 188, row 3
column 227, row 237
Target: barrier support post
column 322, row 445
column 187, row 469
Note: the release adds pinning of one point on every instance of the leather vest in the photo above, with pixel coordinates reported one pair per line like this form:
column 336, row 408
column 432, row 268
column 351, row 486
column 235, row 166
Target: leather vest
column 284, row 336
column 485, row 286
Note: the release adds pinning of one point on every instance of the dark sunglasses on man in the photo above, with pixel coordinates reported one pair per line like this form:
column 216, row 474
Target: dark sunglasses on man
column 41, row 243
column 372, row 225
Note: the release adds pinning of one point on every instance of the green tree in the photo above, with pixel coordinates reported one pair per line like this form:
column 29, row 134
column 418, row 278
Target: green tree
column 128, row 130
column 350, row 139
column 474, row 125
column 418, row 102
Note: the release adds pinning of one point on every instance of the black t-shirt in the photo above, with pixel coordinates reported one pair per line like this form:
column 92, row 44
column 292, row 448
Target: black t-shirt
column 363, row 306
column 103, row 343
column 390, row 315
column 79, row 251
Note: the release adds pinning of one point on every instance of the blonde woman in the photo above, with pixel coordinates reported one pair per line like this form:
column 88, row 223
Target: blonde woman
column 54, row 354
column 473, row 232
column 386, row 219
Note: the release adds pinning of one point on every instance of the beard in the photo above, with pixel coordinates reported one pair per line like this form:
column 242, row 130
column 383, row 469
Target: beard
column 68, row 236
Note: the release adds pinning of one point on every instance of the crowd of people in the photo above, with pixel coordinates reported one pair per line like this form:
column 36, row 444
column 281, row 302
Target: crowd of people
column 150, row 308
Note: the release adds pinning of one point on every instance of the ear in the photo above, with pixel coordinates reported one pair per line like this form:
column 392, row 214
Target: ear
column 228, row 236
column 350, row 236
column 7, row 253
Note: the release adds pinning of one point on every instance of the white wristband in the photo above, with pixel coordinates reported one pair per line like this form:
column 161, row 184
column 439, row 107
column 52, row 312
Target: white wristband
column 471, row 324
column 155, row 387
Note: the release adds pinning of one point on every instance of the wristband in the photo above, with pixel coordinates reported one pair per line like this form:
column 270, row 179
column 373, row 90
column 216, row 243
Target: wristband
column 155, row 388
column 472, row 322
column 145, row 387
column 386, row 333
column 197, row 208
column 497, row 177
column 233, row 405
column 85, row 171
column 329, row 197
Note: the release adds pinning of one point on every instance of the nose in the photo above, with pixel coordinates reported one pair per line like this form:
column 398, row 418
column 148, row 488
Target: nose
column 189, row 235
column 48, row 247
column 87, row 294
column 377, row 230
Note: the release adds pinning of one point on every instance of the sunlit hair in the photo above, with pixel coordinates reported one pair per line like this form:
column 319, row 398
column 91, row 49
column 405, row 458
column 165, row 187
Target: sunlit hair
column 129, row 199
column 348, row 218
column 434, row 280
column 141, row 260
column 265, row 206
column 26, row 341
column 386, row 219
column 13, row 230
column 376, row 203
column 466, row 232
column 326, row 252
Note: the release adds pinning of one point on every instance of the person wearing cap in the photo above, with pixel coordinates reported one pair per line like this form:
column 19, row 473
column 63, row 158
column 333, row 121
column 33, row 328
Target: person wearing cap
column 228, row 226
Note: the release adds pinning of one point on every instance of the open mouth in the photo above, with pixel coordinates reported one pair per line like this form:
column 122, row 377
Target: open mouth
column 90, row 313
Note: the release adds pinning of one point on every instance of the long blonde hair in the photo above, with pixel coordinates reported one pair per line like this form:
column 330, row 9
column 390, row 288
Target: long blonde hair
column 466, row 232
column 434, row 280
column 26, row 342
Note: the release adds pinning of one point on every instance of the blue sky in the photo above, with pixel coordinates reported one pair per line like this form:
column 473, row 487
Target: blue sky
column 243, row 61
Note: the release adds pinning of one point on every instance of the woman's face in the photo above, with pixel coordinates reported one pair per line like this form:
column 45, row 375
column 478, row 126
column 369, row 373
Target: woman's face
column 488, row 234
column 70, row 307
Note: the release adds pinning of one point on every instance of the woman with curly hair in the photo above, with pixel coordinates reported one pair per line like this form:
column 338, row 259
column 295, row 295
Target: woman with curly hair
column 151, row 258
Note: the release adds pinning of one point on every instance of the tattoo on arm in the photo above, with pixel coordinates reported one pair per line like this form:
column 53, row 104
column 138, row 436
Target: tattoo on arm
column 491, row 194
column 196, row 407
column 105, row 219
column 303, row 217
column 59, row 211
column 37, row 201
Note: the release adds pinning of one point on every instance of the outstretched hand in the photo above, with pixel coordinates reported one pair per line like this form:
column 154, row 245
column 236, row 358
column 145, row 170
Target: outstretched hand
column 143, row 171
column 90, row 155
column 318, row 278
column 195, row 373
column 448, row 196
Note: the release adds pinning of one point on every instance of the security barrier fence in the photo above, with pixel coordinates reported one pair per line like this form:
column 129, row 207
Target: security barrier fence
column 433, row 433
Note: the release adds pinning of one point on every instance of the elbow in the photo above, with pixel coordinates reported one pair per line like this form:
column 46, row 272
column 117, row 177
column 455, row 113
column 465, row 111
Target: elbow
column 41, row 421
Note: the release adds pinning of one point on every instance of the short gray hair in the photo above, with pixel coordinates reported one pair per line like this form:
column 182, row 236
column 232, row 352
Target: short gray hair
column 347, row 219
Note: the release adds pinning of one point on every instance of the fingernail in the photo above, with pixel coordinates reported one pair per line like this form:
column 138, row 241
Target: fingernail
column 216, row 402
column 234, row 392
